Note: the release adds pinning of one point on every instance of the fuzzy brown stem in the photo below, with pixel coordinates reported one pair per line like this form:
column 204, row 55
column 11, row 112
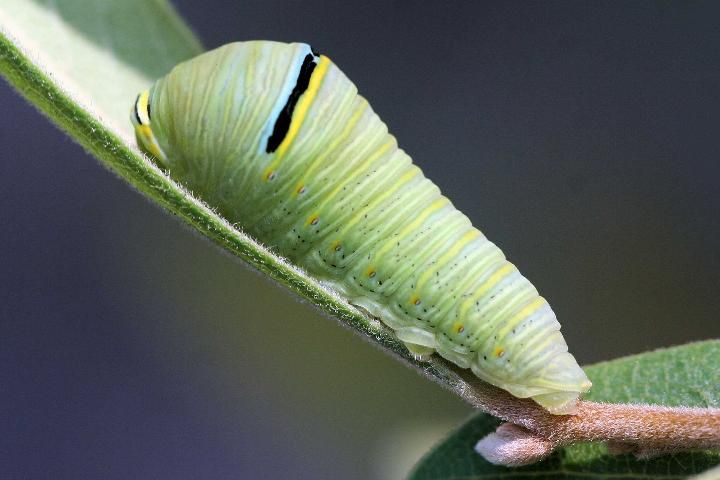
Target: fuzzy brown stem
column 647, row 426
column 653, row 426
column 646, row 430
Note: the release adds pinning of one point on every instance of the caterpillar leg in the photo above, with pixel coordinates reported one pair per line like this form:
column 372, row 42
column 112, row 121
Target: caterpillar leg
column 558, row 403
column 419, row 342
column 421, row 353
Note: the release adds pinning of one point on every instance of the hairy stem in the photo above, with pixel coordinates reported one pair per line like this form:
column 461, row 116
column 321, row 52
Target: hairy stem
column 645, row 430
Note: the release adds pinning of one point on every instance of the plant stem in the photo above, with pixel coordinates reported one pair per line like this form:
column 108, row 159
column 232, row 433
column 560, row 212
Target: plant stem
column 645, row 430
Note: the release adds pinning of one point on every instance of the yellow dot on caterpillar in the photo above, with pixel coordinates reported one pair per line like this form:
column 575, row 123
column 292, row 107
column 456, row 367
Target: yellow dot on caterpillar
column 372, row 273
column 415, row 300
column 499, row 352
column 335, row 246
column 458, row 327
column 269, row 176
column 313, row 220
column 300, row 190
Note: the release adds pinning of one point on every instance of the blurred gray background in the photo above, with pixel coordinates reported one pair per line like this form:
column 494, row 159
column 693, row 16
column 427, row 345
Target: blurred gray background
column 581, row 137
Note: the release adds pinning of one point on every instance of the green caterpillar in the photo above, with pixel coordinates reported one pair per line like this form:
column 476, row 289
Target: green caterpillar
column 277, row 138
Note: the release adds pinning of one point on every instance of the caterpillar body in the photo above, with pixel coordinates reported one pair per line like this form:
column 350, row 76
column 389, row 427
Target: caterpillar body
column 277, row 138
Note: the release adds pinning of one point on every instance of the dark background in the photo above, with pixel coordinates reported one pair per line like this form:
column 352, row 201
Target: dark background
column 581, row 137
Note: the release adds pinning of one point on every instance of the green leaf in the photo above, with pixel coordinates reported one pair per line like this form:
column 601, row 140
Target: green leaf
column 82, row 63
column 686, row 375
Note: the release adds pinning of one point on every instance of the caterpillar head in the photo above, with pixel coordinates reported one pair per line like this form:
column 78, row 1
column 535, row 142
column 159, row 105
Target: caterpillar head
column 233, row 105
column 140, row 117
